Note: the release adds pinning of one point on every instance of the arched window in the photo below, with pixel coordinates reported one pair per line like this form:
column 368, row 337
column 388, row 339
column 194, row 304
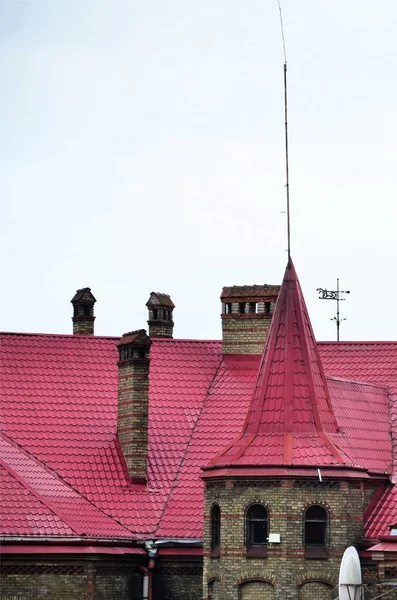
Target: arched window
column 316, row 532
column 215, row 527
column 316, row 526
column 257, row 525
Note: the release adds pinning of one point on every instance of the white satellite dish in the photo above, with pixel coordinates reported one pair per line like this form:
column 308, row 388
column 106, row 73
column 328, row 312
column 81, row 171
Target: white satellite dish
column 350, row 581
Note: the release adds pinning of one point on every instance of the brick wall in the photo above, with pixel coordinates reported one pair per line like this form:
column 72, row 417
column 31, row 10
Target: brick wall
column 244, row 334
column 159, row 329
column 284, row 572
column 83, row 326
column 178, row 580
column 72, row 579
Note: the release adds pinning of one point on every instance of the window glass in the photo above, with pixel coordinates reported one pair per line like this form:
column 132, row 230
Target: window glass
column 316, row 526
column 215, row 526
column 257, row 525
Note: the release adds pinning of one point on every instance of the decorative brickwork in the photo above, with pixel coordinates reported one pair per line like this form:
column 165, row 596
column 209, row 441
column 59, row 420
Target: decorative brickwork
column 256, row 590
column 160, row 307
column 133, row 402
column 284, row 571
column 83, row 312
column 312, row 590
column 246, row 316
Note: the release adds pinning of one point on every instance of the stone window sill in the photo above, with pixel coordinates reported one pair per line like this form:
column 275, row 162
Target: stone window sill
column 256, row 552
column 317, row 552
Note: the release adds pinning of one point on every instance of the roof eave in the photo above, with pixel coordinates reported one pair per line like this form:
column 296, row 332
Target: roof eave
column 285, row 471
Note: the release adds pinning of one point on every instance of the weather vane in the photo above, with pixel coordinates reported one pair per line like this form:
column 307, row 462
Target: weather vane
column 334, row 295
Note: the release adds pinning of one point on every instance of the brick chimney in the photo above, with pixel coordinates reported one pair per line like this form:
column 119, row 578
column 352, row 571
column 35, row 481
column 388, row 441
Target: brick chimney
column 246, row 314
column 160, row 321
column 133, row 402
column 83, row 312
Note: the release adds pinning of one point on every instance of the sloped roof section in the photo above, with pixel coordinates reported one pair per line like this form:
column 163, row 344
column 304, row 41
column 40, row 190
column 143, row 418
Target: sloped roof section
column 47, row 502
column 158, row 299
column 58, row 395
column 290, row 416
column 250, row 291
column 362, row 412
column 372, row 362
column 221, row 417
column 23, row 513
column 383, row 516
column 83, row 295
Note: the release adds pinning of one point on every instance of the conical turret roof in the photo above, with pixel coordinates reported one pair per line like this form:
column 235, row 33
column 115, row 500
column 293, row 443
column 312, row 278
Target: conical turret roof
column 290, row 415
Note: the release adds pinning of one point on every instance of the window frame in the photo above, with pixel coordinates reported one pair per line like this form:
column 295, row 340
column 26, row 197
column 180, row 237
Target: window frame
column 256, row 549
column 215, row 530
column 315, row 549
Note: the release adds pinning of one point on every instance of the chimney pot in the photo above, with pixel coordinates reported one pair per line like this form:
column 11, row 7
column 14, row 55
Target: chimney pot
column 83, row 312
column 160, row 307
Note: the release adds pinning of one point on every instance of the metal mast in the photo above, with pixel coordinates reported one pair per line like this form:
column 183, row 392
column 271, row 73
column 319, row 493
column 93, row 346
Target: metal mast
column 286, row 136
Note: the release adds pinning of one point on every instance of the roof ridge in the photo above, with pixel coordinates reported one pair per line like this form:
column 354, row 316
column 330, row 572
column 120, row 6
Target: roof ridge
column 185, row 340
column 27, row 486
column 357, row 382
column 355, row 342
column 61, row 335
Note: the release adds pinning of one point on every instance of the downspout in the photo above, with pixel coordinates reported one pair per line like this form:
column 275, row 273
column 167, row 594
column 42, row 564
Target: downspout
column 148, row 578
column 152, row 549
column 145, row 583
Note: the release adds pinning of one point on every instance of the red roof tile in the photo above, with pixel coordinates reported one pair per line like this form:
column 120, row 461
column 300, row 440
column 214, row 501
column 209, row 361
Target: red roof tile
column 222, row 415
column 383, row 515
column 59, row 400
column 62, row 508
column 372, row 362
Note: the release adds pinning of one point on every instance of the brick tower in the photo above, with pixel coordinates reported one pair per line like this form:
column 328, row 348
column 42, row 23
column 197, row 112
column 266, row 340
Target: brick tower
column 83, row 312
column 285, row 498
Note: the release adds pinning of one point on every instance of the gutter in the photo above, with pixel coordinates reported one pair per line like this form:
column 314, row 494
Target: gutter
column 71, row 540
column 177, row 542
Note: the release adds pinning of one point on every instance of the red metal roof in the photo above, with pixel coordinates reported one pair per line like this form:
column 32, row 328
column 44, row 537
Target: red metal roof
column 390, row 547
column 382, row 518
column 372, row 362
column 44, row 504
column 290, row 416
column 59, row 400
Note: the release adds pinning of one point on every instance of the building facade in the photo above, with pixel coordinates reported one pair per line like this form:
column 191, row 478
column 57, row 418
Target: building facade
column 147, row 467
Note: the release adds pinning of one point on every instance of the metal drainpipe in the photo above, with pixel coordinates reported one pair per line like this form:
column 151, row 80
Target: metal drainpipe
column 145, row 586
column 152, row 556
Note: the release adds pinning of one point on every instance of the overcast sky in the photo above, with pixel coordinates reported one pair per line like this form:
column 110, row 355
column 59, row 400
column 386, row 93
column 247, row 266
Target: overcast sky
column 142, row 148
